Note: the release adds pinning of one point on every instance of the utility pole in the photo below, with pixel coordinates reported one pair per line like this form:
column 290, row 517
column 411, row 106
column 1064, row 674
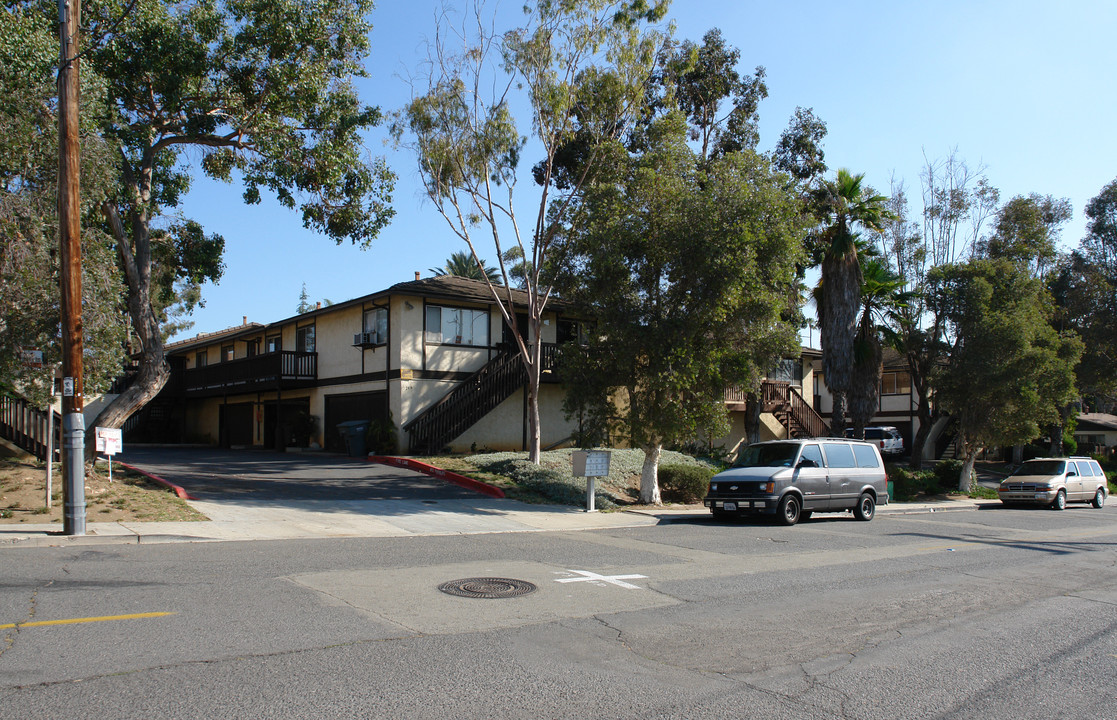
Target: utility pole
column 69, row 232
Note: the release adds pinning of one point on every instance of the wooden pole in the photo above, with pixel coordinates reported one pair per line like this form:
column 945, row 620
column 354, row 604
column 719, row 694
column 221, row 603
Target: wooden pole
column 69, row 226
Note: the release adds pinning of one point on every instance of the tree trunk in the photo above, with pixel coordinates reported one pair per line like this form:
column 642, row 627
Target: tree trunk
column 1017, row 454
column 649, row 475
column 838, row 416
column 752, row 419
column 1056, row 440
column 964, row 477
column 919, row 441
column 153, row 372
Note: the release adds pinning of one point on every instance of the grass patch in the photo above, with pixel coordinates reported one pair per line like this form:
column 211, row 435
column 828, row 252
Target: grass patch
column 130, row 497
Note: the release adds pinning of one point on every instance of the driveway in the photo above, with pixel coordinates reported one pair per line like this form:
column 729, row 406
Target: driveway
column 257, row 477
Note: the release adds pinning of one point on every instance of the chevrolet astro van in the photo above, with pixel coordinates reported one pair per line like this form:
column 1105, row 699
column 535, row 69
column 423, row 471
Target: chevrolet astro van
column 792, row 479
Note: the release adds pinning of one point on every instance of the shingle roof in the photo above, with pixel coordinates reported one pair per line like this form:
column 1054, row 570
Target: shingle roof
column 207, row 338
column 1097, row 420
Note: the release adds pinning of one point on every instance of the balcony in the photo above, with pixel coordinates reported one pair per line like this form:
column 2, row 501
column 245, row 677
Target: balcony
column 283, row 370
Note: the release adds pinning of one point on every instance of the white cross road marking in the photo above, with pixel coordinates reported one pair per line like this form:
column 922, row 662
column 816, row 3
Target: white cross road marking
column 593, row 577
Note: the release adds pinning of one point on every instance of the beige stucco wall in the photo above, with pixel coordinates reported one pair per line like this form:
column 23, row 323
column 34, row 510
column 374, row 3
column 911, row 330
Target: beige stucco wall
column 333, row 339
column 503, row 428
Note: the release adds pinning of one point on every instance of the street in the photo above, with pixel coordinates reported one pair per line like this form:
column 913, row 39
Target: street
column 992, row 613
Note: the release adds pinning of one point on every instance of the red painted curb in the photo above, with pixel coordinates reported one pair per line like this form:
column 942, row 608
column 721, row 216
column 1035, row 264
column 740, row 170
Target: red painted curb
column 470, row 483
column 180, row 492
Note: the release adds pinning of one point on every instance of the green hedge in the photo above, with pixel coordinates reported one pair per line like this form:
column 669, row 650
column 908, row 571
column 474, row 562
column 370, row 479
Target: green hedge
column 684, row 483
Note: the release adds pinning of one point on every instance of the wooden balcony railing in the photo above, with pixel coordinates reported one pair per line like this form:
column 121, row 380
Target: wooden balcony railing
column 282, row 369
column 784, row 401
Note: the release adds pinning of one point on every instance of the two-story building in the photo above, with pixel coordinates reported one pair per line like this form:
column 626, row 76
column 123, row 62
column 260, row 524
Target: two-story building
column 432, row 356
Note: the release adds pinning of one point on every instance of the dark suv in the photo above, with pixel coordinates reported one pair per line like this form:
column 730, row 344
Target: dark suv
column 794, row 478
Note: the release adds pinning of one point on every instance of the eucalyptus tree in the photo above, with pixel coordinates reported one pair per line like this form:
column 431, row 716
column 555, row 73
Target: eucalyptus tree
column 842, row 205
column 261, row 92
column 957, row 202
column 575, row 69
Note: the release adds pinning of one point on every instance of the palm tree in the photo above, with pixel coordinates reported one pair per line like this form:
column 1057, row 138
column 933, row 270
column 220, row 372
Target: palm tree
column 882, row 296
column 461, row 264
column 842, row 204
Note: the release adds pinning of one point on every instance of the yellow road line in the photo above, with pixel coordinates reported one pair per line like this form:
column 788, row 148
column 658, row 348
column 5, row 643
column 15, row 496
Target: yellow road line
column 75, row 621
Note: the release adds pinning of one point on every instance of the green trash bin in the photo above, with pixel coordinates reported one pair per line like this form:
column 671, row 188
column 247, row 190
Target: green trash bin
column 891, row 490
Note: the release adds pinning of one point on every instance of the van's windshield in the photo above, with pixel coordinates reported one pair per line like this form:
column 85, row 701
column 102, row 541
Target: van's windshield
column 1041, row 467
column 773, row 455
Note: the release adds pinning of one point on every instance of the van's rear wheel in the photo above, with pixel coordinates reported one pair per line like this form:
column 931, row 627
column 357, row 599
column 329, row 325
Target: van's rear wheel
column 788, row 511
column 866, row 507
column 1099, row 498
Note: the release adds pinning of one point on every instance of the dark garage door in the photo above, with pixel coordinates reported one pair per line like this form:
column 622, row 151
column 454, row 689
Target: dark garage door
column 371, row 406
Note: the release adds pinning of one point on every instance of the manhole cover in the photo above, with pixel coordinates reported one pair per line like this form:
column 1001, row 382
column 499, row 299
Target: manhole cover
column 487, row 587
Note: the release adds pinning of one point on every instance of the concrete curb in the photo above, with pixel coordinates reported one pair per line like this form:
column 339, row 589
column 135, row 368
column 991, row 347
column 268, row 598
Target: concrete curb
column 178, row 490
column 431, row 470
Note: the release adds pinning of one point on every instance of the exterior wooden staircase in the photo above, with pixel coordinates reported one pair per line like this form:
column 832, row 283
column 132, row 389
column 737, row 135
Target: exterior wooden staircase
column 792, row 410
column 471, row 400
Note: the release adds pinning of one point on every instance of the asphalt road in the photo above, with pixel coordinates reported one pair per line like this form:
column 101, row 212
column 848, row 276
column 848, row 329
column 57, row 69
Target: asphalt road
column 235, row 475
column 999, row 613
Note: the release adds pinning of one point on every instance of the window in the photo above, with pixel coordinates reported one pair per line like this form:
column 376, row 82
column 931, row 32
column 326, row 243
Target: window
column 895, row 383
column 251, row 348
column 570, row 331
column 273, row 344
column 304, row 339
column 227, row 353
column 787, row 370
column 200, row 359
column 457, row 326
column 866, row 458
column 374, row 326
column 812, row 452
column 839, row 455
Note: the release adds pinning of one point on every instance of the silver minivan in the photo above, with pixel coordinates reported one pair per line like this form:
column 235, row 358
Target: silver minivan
column 792, row 479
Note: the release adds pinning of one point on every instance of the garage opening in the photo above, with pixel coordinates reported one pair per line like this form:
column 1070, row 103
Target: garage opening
column 371, row 406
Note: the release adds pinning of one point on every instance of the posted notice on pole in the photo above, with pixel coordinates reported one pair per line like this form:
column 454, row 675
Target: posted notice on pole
column 110, row 441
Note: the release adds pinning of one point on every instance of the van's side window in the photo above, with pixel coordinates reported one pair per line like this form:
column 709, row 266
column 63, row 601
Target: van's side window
column 866, row 458
column 812, row 452
column 839, row 455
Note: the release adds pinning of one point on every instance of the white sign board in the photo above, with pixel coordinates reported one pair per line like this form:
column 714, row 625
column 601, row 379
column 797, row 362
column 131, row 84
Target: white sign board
column 67, row 387
column 591, row 463
column 31, row 358
column 110, row 441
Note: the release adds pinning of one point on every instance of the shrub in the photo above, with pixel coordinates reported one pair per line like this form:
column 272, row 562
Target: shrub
column 947, row 472
column 381, row 437
column 548, row 483
column 907, row 484
column 684, row 483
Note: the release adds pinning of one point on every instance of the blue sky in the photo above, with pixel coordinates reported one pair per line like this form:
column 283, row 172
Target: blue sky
column 1024, row 88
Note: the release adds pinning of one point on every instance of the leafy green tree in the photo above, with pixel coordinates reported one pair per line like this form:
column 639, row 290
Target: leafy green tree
column 260, row 91
column 461, row 264
column 580, row 68
column 1010, row 373
column 799, row 150
column 686, row 267
column 700, row 80
column 842, row 205
column 1085, row 289
column 29, row 262
column 1026, row 232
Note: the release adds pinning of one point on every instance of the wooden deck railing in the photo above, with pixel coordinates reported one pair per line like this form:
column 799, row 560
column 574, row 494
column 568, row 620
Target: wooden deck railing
column 26, row 426
column 783, row 400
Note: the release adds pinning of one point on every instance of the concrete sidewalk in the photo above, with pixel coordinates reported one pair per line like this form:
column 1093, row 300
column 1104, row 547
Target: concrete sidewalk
column 309, row 519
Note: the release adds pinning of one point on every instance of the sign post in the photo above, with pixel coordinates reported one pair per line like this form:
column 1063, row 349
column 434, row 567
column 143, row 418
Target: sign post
column 110, row 441
column 591, row 464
